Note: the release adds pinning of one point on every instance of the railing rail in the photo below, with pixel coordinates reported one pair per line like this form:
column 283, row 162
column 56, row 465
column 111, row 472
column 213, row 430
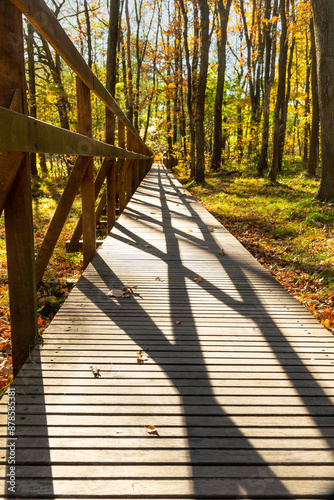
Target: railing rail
column 122, row 169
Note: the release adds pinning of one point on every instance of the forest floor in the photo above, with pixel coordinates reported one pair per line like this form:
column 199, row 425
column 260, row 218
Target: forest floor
column 282, row 225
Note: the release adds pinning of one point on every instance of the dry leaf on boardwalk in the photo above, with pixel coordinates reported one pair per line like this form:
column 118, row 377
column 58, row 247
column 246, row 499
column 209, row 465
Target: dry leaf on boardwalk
column 222, row 252
column 132, row 242
column 178, row 322
column 142, row 356
column 148, row 246
column 198, row 279
column 158, row 279
column 129, row 289
column 95, row 371
column 118, row 294
column 211, row 229
column 151, row 429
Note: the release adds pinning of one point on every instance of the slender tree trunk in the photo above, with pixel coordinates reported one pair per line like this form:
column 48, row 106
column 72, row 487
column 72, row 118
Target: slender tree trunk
column 314, row 138
column 113, row 37
column 270, row 62
column 201, row 88
column 129, row 104
column 307, row 103
column 284, row 111
column 189, row 89
column 89, row 34
column 32, row 89
column 280, row 93
column 223, row 12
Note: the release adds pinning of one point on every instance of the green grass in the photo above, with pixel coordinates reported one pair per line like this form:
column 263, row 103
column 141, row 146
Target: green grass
column 283, row 225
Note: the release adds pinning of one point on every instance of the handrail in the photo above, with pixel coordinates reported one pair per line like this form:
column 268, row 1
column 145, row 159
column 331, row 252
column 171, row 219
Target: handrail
column 20, row 132
column 46, row 23
column 122, row 169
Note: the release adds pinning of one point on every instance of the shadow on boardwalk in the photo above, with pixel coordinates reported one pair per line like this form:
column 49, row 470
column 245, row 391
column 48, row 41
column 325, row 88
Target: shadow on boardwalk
column 261, row 482
column 238, row 470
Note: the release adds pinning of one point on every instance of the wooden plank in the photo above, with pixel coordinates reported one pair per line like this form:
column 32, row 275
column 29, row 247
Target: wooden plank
column 24, row 133
column 241, row 392
column 45, row 22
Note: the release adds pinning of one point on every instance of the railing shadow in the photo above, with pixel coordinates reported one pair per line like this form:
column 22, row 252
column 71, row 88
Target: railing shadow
column 30, row 435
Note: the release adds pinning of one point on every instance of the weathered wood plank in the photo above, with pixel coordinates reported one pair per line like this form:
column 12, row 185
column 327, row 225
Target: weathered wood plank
column 241, row 391
column 24, row 133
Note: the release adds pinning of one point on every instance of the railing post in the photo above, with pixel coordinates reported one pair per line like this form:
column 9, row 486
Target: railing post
column 111, row 176
column 122, row 172
column 18, row 205
column 87, row 186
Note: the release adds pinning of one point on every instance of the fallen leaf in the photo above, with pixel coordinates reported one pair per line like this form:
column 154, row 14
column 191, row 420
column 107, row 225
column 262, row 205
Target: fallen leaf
column 211, row 229
column 159, row 279
column 142, row 356
column 222, row 252
column 178, row 322
column 95, row 371
column 152, row 212
column 198, row 279
column 151, row 429
column 190, row 230
column 148, row 246
column 118, row 294
column 129, row 289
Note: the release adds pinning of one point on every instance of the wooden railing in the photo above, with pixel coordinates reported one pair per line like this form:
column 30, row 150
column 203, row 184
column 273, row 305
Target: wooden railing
column 123, row 167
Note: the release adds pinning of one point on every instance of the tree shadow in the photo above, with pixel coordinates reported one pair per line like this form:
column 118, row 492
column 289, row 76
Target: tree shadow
column 233, row 468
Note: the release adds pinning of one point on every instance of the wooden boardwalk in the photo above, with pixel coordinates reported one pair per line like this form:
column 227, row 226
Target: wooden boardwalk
column 239, row 382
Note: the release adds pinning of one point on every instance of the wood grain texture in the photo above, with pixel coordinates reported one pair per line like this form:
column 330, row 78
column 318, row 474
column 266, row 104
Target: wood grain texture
column 238, row 380
column 24, row 133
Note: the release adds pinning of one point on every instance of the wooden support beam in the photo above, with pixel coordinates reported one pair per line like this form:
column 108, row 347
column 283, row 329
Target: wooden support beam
column 60, row 215
column 16, row 190
column 101, row 175
column 122, row 185
column 87, row 186
column 111, row 176
column 23, row 133
column 129, row 186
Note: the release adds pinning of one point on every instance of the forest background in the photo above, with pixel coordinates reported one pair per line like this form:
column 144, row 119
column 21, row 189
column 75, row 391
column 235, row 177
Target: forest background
column 225, row 92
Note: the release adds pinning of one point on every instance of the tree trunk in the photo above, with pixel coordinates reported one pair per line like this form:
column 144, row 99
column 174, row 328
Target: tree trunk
column 307, row 103
column 89, row 34
column 129, row 103
column 314, row 139
column 270, row 46
column 113, row 35
column 201, row 88
column 222, row 36
column 32, row 90
column 284, row 111
column 323, row 14
column 280, row 93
